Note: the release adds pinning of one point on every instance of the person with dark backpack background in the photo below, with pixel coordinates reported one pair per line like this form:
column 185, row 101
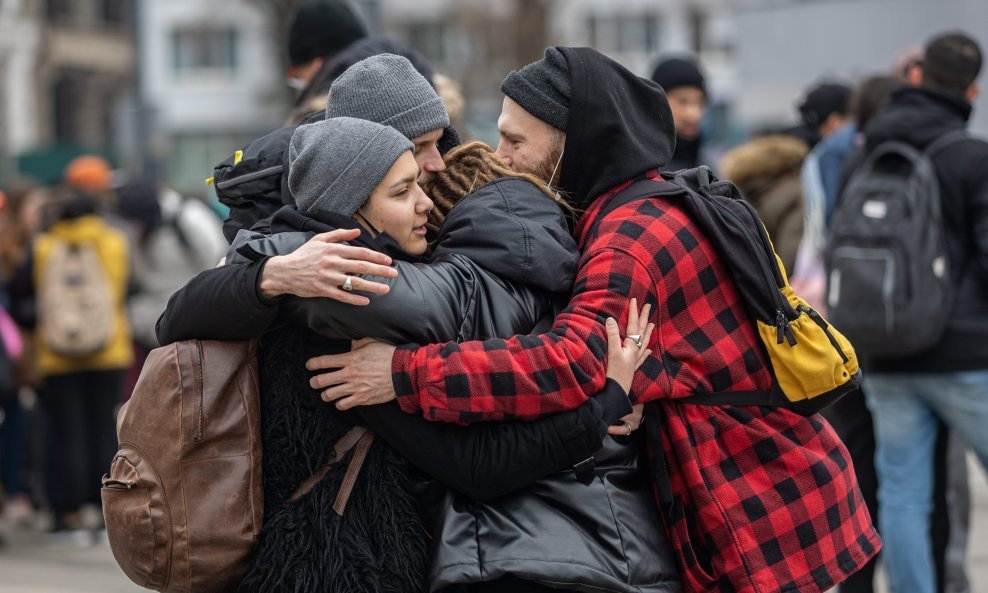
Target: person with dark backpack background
column 908, row 253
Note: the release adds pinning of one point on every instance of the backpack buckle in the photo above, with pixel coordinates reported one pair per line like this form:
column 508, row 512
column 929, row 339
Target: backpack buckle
column 584, row 470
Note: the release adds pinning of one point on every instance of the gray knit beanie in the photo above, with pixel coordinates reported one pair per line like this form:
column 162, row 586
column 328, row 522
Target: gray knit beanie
column 335, row 164
column 388, row 90
column 542, row 88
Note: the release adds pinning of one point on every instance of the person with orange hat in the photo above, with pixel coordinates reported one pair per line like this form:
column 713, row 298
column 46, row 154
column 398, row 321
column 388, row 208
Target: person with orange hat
column 89, row 173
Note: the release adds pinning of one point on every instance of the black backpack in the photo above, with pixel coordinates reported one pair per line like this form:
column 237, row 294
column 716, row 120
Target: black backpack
column 251, row 182
column 888, row 281
column 812, row 363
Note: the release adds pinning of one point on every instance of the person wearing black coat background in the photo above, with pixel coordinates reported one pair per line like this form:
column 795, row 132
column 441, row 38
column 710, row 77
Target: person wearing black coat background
column 949, row 381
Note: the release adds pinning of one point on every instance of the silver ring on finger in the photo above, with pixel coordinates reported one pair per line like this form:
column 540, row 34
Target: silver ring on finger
column 347, row 284
column 628, row 424
column 637, row 338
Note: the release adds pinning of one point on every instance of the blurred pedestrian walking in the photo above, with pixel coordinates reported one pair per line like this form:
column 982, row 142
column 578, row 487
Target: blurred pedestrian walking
column 174, row 238
column 73, row 288
column 686, row 89
column 909, row 392
column 766, row 169
column 19, row 468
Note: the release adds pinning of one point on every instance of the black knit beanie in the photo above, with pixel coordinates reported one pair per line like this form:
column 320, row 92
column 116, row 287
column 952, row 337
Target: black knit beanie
column 542, row 88
column 679, row 72
column 321, row 28
column 138, row 201
column 823, row 100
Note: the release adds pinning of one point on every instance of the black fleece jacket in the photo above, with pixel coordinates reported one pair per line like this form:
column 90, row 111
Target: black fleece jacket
column 919, row 116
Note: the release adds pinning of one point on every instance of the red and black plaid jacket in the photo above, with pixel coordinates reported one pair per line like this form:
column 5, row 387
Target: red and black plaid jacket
column 765, row 500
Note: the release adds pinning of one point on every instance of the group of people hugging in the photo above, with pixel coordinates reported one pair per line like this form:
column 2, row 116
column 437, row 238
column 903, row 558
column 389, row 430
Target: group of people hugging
column 516, row 356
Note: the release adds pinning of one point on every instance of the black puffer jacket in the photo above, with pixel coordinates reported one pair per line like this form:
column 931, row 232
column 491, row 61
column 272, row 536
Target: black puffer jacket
column 918, row 117
column 502, row 254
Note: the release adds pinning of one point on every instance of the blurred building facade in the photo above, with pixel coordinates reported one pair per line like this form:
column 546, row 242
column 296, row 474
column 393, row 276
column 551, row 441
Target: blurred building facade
column 19, row 39
column 66, row 66
column 169, row 88
column 210, row 82
column 477, row 42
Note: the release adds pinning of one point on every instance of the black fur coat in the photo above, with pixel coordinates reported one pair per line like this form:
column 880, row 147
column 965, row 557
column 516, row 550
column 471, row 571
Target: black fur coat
column 379, row 544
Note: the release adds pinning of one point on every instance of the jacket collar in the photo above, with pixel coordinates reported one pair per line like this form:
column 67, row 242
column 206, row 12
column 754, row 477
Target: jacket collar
column 290, row 218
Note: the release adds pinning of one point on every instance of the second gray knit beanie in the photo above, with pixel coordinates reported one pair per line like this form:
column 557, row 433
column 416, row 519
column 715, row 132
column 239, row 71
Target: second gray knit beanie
column 335, row 164
column 388, row 90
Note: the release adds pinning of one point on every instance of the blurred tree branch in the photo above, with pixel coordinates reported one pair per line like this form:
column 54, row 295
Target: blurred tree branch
column 531, row 31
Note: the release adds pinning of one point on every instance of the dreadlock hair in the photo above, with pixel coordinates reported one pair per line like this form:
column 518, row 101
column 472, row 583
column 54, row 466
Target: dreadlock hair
column 467, row 168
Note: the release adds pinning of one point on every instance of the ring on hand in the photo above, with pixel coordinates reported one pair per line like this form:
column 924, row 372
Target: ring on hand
column 637, row 338
column 628, row 424
column 347, row 284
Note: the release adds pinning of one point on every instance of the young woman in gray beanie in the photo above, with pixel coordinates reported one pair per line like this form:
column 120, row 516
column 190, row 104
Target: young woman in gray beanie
column 364, row 170
column 517, row 262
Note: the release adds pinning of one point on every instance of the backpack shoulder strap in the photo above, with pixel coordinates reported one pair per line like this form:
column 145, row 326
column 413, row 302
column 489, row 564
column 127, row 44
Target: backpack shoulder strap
column 639, row 190
column 945, row 140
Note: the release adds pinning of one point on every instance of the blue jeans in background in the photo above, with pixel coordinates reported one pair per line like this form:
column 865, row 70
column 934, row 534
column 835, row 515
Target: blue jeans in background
column 905, row 409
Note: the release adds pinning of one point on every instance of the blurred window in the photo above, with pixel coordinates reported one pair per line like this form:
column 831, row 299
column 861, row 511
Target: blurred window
column 59, row 10
column 204, row 51
column 68, row 92
column 117, row 12
column 430, row 38
column 626, row 33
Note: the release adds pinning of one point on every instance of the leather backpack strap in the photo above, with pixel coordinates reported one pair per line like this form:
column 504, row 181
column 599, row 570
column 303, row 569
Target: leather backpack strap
column 352, row 471
column 340, row 448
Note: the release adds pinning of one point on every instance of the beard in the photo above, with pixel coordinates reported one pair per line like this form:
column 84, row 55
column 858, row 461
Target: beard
column 544, row 168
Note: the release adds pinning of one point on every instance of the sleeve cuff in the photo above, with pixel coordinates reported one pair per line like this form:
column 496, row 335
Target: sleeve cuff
column 614, row 402
column 401, row 377
column 255, row 270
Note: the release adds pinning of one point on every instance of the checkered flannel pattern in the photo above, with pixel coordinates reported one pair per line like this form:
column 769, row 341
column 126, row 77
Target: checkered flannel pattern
column 765, row 500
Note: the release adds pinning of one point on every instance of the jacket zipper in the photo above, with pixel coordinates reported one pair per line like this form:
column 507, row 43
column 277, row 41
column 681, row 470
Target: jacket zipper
column 249, row 177
column 201, row 417
column 782, row 319
column 816, row 317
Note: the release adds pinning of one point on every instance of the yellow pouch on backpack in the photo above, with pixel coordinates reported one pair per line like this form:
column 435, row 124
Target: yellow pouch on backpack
column 814, row 364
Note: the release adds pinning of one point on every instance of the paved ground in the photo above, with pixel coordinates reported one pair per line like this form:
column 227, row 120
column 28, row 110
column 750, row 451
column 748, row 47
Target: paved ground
column 27, row 565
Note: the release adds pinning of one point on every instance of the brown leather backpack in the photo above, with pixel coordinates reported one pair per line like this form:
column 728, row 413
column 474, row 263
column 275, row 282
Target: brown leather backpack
column 183, row 500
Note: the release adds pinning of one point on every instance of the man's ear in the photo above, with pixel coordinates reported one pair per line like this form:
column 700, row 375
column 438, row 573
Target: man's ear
column 972, row 92
column 914, row 75
column 830, row 125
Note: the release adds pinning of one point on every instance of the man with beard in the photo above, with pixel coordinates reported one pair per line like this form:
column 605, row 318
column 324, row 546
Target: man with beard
column 757, row 498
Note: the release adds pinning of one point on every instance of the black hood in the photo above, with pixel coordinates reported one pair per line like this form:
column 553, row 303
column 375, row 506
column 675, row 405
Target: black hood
column 620, row 126
column 918, row 116
column 512, row 229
